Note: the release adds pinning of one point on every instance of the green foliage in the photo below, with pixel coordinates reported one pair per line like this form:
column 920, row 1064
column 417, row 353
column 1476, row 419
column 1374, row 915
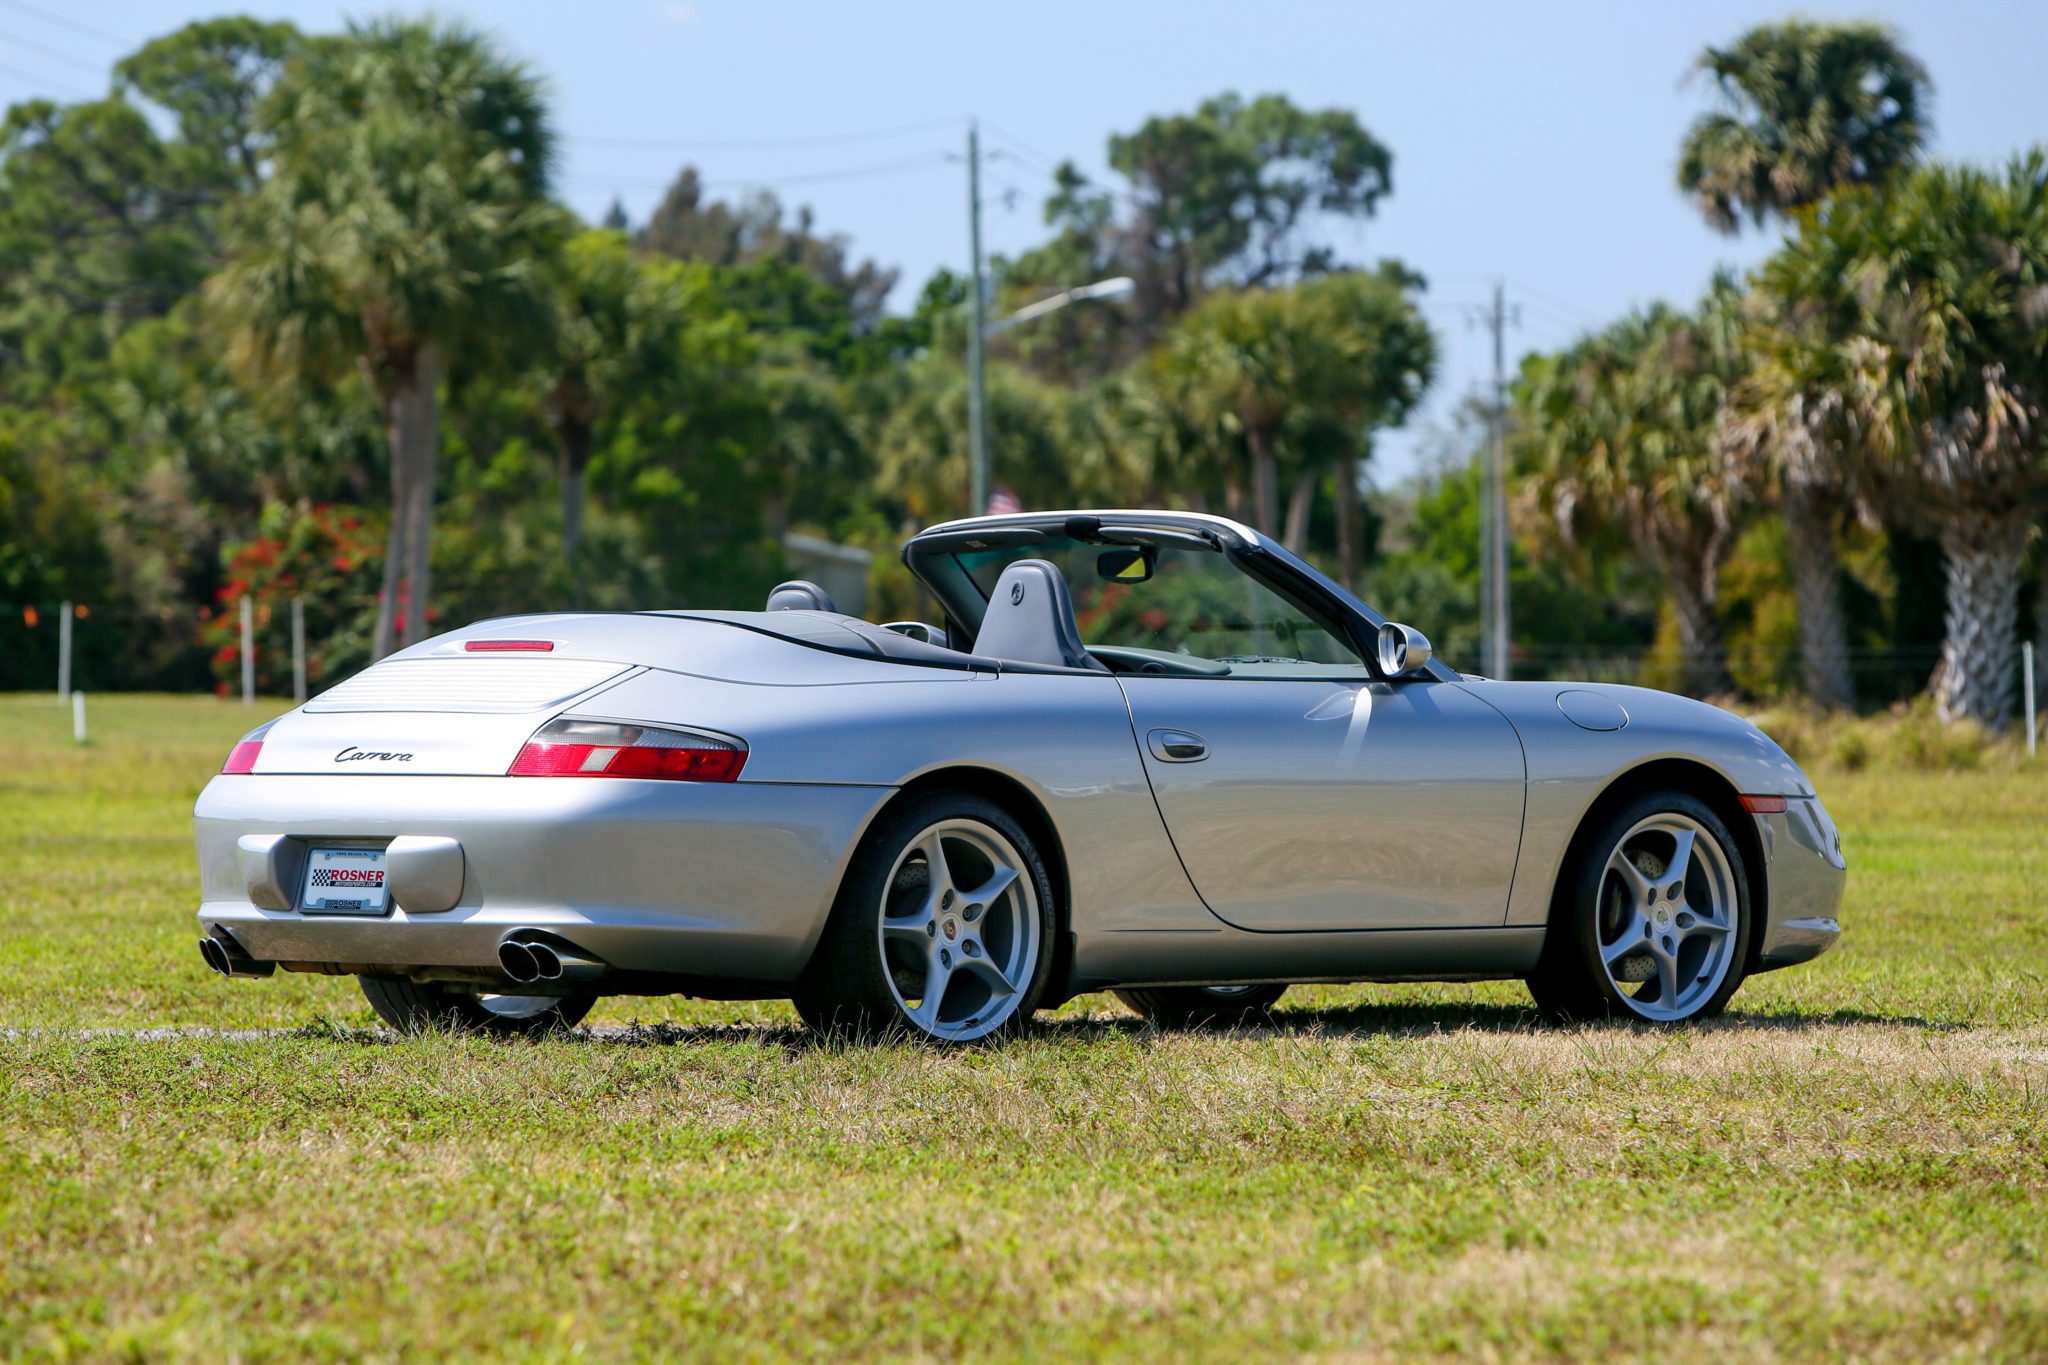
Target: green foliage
column 1809, row 106
column 327, row 558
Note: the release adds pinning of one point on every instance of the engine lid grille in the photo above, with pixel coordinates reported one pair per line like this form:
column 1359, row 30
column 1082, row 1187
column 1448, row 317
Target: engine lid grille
column 484, row 682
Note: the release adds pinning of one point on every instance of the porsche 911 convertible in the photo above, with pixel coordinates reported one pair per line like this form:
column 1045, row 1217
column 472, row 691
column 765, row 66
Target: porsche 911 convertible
column 1146, row 752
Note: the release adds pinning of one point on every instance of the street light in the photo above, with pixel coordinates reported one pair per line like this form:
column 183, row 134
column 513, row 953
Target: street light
column 977, row 432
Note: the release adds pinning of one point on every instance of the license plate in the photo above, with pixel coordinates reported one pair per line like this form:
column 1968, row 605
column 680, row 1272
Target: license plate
column 344, row 881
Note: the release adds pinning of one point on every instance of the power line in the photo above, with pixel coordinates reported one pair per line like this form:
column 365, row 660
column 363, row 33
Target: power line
column 36, row 78
column 741, row 144
column 76, row 26
column 772, row 181
column 54, row 54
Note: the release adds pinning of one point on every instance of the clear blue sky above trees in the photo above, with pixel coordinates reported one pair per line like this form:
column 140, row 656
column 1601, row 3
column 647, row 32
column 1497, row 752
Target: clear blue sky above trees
column 1536, row 142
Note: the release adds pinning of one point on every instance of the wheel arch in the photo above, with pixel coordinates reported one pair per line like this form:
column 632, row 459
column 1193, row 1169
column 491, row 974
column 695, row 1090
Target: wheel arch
column 1696, row 779
column 1023, row 806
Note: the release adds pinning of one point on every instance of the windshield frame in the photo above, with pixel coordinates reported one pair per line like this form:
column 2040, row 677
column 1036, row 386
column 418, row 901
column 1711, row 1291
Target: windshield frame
column 931, row 557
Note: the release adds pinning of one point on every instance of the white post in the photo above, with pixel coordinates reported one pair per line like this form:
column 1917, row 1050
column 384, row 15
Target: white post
column 78, row 717
column 2027, row 691
column 298, row 649
column 63, row 652
column 248, row 654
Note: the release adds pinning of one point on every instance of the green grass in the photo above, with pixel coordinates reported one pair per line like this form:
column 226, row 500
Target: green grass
column 1852, row 1164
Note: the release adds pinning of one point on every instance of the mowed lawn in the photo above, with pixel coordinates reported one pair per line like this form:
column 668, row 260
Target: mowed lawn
column 1854, row 1162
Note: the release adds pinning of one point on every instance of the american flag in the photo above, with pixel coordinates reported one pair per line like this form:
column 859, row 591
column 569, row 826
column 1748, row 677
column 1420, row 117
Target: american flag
column 1002, row 502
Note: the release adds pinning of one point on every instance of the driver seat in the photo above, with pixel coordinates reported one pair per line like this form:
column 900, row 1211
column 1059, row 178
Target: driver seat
column 1030, row 620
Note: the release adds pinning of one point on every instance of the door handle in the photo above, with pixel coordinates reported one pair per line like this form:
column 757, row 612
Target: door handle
column 1178, row 746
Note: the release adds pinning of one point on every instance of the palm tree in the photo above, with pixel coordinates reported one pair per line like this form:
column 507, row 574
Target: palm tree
column 1808, row 107
column 1622, row 434
column 402, row 229
column 1921, row 304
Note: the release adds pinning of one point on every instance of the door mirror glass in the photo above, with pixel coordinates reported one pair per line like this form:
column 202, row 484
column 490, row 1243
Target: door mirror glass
column 1403, row 650
column 1132, row 565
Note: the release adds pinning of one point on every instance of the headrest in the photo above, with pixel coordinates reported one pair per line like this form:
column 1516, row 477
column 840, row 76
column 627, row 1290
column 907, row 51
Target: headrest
column 800, row 595
column 1030, row 619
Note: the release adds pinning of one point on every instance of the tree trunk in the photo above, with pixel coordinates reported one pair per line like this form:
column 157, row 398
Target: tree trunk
column 388, row 623
column 1817, row 588
column 1694, row 572
column 414, row 436
column 1980, row 618
column 775, row 515
column 1300, row 501
column 1265, row 478
column 1347, row 525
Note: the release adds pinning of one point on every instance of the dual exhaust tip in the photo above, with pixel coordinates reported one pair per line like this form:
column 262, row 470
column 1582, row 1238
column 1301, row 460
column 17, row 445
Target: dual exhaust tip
column 526, row 958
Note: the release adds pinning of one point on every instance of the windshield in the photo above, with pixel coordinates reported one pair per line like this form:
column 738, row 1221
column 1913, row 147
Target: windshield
column 1185, row 603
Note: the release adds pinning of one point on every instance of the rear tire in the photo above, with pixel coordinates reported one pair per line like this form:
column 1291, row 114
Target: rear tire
column 1191, row 1007
column 946, row 895
column 427, row 1007
column 1653, row 919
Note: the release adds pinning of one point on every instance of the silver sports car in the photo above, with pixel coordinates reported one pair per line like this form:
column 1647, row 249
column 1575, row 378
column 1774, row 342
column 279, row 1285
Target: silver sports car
column 1147, row 752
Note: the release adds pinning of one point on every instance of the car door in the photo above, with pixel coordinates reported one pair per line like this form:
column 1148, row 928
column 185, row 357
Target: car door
column 1332, row 803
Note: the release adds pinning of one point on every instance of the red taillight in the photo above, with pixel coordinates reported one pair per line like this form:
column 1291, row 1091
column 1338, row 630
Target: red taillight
column 509, row 646
column 1763, row 805
column 587, row 748
column 242, row 758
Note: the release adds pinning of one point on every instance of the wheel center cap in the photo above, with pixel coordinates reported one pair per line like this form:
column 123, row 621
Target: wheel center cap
column 952, row 929
column 1663, row 915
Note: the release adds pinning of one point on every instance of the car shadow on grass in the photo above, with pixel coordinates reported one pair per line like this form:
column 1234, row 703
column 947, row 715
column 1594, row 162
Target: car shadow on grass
column 1358, row 1021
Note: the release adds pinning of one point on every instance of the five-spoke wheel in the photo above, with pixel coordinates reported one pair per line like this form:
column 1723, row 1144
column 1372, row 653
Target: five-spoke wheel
column 942, row 928
column 1652, row 920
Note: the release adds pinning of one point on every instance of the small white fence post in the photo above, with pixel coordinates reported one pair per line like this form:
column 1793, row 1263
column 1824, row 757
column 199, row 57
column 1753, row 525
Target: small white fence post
column 298, row 649
column 63, row 652
column 78, row 717
column 2027, row 692
column 248, row 653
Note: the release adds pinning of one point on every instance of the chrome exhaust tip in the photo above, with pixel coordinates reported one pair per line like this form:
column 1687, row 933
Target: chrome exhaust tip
column 228, row 957
column 547, row 963
column 215, row 956
column 519, row 960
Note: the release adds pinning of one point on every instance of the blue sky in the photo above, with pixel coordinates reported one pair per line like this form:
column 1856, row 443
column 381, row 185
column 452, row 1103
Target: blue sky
column 1534, row 142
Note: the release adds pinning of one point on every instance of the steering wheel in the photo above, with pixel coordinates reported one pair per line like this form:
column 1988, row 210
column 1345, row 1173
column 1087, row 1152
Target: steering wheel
column 1131, row 659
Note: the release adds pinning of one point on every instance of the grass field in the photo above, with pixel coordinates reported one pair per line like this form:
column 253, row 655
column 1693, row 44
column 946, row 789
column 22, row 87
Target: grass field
column 1853, row 1163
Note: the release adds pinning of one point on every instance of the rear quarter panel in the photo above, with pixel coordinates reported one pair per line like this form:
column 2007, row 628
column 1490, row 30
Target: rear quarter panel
column 1065, row 739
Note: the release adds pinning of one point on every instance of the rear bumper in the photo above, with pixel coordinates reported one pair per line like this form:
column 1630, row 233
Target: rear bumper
column 1803, row 851
column 698, row 879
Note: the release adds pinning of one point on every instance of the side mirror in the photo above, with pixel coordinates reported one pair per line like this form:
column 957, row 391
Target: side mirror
column 1404, row 651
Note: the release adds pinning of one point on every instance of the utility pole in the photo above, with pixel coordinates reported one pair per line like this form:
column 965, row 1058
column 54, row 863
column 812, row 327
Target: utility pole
column 1493, row 514
column 977, row 336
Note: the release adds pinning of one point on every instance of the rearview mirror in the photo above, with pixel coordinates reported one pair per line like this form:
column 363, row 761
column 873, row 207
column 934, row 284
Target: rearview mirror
column 1132, row 565
column 1404, row 651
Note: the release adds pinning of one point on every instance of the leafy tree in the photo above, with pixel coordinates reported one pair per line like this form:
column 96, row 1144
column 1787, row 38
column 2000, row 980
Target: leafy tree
column 403, row 229
column 688, row 228
column 1919, row 305
column 1298, row 377
column 211, row 77
column 1621, row 433
column 1228, row 196
column 1808, row 106
column 613, row 334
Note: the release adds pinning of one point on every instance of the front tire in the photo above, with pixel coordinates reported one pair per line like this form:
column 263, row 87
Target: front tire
column 943, row 928
column 1653, row 922
column 1192, row 1007
column 427, row 1007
